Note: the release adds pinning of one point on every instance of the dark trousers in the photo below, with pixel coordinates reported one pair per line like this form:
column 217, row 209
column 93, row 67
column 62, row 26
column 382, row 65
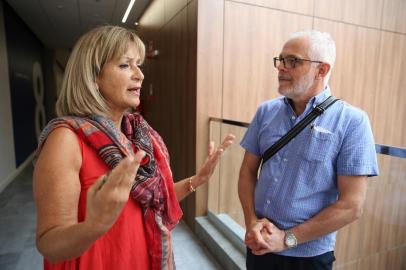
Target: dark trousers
column 272, row 261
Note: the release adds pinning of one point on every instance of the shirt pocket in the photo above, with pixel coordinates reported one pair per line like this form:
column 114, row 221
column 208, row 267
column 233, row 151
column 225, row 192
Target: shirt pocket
column 319, row 146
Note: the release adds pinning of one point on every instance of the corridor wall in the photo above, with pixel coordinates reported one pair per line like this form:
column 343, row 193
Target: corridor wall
column 7, row 157
column 23, row 91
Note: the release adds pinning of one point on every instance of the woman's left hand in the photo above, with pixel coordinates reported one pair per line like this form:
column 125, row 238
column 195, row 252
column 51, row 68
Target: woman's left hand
column 212, row 159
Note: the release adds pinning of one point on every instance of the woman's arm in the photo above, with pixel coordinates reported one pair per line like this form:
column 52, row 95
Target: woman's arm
column 57, row 189
column 186, row 186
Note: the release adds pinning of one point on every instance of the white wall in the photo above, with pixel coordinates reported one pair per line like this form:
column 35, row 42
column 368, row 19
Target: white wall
column 7, row 155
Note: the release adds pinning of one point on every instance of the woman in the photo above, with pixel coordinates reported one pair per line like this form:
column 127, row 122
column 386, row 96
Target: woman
column 103, row 187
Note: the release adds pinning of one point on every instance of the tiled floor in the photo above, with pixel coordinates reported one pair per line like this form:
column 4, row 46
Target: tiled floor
column 17, row 233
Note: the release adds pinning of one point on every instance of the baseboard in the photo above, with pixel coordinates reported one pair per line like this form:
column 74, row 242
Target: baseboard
column 224, row 249
column 10, row 178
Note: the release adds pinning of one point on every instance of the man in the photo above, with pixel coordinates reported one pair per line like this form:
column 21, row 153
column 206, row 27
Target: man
column 314, row 185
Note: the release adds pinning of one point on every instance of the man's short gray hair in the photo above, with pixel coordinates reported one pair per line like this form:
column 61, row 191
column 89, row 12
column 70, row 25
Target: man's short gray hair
column 322, row 47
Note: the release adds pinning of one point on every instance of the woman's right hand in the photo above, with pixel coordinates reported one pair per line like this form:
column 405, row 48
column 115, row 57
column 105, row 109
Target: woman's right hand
column 107, row 196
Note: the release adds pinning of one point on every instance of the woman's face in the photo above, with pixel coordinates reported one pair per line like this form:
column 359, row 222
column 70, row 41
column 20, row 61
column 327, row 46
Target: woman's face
column 120, row 81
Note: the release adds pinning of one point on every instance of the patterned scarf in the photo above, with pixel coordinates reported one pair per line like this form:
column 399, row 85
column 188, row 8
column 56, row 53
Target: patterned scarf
column 153, row 185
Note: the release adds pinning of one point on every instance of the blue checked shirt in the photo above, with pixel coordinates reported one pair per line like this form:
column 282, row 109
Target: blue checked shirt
column 301, row 179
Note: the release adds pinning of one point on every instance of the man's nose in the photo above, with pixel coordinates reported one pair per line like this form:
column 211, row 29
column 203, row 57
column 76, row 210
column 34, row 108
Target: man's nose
column 281, row 66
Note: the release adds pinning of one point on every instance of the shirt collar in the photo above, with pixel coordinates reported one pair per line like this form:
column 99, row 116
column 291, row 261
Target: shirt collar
column 316, row 100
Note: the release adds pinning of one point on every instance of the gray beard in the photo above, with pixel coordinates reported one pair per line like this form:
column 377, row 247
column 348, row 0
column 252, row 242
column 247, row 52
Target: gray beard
column 300, row 87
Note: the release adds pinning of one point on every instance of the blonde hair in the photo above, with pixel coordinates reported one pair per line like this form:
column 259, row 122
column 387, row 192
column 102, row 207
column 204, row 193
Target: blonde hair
column 79, row 94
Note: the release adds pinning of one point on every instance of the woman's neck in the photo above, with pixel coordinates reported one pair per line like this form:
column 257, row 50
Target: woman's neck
column 117, row 118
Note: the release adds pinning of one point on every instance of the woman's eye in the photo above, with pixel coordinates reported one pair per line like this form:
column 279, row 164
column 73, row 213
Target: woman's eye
column 124, row 66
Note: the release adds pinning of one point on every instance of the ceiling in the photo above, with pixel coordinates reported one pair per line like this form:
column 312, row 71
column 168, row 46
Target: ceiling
column 58, row 23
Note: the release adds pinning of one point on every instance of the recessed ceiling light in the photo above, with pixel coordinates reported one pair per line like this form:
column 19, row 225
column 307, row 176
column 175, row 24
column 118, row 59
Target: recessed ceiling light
column 136, row 23
column 130, row 6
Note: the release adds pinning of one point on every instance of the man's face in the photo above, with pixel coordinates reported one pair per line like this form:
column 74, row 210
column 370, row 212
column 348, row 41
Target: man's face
column 297, row 81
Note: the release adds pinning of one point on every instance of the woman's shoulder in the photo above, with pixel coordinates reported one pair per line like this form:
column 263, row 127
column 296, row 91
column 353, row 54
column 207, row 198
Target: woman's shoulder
column 62, row 143
column 63, row 137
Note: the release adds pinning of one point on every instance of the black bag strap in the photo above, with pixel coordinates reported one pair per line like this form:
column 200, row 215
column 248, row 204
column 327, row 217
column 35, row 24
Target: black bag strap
column 318, row 110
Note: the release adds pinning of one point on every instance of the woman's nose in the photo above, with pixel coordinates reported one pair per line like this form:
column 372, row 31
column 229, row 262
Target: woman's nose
column 138, row 73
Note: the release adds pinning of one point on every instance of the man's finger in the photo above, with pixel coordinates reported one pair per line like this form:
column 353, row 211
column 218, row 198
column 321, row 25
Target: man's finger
column 260, row 251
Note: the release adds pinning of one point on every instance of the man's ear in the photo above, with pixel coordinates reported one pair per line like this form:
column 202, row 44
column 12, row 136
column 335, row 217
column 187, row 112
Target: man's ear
column 324, row 68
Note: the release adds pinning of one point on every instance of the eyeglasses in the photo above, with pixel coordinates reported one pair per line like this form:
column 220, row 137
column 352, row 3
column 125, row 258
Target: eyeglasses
column 290, row 61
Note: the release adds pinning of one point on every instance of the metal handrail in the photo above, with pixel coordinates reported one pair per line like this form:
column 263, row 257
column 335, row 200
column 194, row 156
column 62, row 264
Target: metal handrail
column 379, row 148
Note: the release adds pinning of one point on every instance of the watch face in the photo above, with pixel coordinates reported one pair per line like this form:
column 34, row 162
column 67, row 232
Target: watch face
column 290, row 242
column 290, row 239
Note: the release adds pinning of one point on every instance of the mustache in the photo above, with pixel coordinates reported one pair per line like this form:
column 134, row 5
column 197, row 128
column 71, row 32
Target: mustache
column 284, row 77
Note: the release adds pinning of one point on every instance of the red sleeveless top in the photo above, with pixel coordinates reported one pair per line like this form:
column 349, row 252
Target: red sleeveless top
column 124, row 246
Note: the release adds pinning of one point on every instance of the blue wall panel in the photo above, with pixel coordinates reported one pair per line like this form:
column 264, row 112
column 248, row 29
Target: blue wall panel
column 23, row 50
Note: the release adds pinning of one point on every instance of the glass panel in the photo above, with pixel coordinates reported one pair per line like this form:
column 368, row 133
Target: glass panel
column 223, row 187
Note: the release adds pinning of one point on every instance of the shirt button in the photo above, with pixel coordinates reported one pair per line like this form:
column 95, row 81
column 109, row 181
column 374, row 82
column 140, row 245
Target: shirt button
column 285, row 159
column 276, row 179
column 293, row 117
column 268, row 201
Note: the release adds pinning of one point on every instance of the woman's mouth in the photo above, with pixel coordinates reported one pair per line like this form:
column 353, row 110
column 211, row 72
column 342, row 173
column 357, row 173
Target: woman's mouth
column 135, row 90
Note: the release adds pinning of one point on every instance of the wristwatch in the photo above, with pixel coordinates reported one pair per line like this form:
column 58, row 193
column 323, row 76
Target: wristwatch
column 290, row 239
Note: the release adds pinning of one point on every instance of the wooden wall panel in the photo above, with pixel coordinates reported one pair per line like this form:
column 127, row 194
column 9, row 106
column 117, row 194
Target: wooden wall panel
column 209, row 81
column 210, row 58
column 173, row 60
column 360, row 12
column 394, row 13
column 372, row 230
column 189, row 204
column 390, row 260
column 373, row 262
column 348, row 245
column 390, row 104
column 172, row 7
column 152, row 90
column 354, row 54
column 302, row 6
column 396, row 259
column 347, row 266
column 252, row 37
column 170, row 84
column 380, row 233
column 153, row 19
